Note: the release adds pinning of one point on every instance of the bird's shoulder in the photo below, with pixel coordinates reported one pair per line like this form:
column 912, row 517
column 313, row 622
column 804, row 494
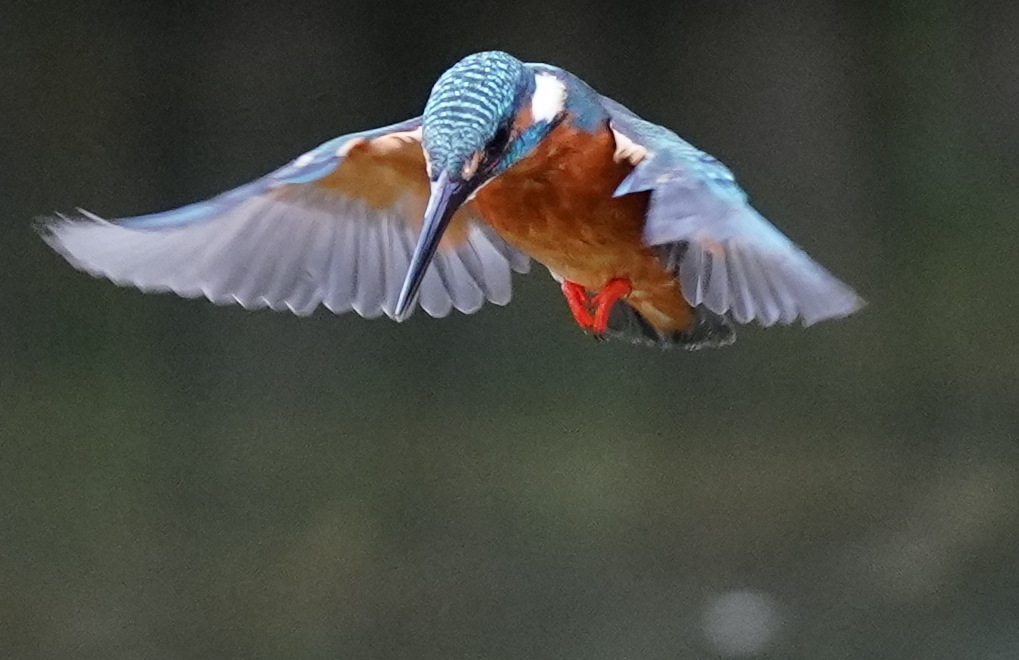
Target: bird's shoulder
column 668, row 152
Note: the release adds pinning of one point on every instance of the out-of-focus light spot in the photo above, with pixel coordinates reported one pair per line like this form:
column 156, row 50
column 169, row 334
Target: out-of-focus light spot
column 741, row 623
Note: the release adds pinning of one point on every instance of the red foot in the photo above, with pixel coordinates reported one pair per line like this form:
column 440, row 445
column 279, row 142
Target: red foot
column 605, row 299
column 576, row 297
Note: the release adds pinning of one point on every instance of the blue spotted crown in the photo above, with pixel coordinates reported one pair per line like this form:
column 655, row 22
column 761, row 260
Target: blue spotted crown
column 467, row 105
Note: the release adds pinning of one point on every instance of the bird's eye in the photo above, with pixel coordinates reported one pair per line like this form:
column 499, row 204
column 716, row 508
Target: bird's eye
column 498, row 142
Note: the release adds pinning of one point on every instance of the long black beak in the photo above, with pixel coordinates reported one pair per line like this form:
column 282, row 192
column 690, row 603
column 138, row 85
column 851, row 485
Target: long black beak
column 446, row 197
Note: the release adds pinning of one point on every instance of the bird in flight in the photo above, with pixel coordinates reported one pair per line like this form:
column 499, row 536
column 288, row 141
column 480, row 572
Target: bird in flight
column 649, row 238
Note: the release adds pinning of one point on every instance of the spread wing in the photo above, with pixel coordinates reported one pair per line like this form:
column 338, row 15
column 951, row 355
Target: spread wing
column 335, row 227
column 726, row 255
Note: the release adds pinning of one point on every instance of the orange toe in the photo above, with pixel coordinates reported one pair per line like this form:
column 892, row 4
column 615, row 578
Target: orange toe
column 605, row 299
column 576, row 298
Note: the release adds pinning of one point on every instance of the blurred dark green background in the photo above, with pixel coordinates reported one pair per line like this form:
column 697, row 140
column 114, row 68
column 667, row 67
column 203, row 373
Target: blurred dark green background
column 179, row 480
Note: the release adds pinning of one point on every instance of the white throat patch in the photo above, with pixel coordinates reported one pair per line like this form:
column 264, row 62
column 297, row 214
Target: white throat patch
column 549, row 97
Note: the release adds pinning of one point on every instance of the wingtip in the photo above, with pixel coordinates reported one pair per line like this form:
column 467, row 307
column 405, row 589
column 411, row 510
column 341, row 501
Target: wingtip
column 48, row 228
column 850, row 303
column 47, row 225
column 43, row 225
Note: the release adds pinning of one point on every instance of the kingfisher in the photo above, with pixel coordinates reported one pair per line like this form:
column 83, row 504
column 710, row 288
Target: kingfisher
column 649, row 238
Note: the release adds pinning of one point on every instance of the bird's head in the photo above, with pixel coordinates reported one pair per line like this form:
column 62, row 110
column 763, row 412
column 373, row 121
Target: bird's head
column 485, row 113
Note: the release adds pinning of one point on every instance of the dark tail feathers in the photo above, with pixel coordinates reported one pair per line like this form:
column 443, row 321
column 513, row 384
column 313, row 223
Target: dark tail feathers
column 710, row 330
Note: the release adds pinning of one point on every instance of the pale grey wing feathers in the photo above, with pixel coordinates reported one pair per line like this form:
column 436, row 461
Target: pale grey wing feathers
column 284, row 242
column 295, row 252
column 727, row 256
column 743, row 266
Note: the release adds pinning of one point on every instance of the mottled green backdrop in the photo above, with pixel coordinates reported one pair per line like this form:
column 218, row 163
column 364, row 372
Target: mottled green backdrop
column 180, row 481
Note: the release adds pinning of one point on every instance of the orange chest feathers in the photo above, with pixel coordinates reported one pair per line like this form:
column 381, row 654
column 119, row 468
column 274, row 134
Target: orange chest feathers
column 556, row 204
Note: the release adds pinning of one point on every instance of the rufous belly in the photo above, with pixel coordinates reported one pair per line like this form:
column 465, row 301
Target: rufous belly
column 557, row 206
